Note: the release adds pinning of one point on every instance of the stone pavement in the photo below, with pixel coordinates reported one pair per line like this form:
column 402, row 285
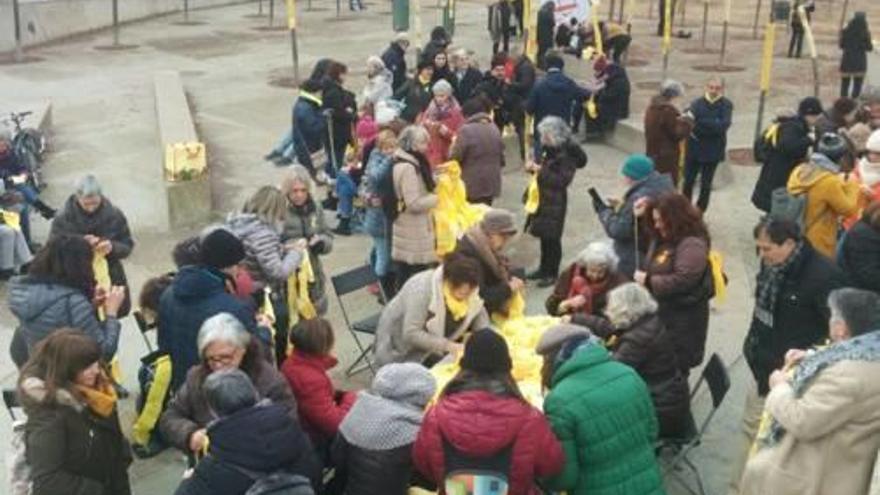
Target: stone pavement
column 104, row 123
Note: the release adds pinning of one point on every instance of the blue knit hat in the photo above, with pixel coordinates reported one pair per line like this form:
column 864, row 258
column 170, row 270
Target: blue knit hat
column 637, row 167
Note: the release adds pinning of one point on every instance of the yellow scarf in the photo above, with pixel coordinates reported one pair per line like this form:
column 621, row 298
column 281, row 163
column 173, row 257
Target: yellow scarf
column 101, row 402
column 458, row 309
column 298, row 301
column 713, row 100
column 424, row 81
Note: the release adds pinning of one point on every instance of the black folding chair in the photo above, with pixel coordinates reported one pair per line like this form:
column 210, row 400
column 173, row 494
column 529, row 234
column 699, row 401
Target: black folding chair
column 344, row 284
column 715, row 376
column 10, row 400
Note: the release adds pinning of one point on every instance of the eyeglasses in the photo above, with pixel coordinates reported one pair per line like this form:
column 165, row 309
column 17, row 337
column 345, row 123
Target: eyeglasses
column 221, row 359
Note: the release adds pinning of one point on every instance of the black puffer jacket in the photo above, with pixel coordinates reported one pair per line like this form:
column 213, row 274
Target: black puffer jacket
column 558, row 166
column 855, row 41
column 259, row 440
column 859, row 256
column 790, row 150
column 800, row 318
column 370, row 472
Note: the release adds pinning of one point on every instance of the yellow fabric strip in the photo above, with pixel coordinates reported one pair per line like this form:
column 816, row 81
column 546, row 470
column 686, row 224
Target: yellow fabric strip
column 146, row 421
column 11, row 219
column 457, row 308
column 716, row 263
column 298, row 301
column 533, row 196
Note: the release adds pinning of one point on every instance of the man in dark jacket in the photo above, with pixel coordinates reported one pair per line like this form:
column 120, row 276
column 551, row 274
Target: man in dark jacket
column 786, row 143
column 198, row 293
column 859, row 251
column 395, row 59
column 619, row 220
column 416, row 93
column 545, row 26
column 480, row 152
column 791, row 310
column 494, row 89
column 251, row 440
column 89, row 214
column 467, row 77
column 519, row 89
column 556, row 94
column 707, row 143
column 307, row 132
column 611, row 98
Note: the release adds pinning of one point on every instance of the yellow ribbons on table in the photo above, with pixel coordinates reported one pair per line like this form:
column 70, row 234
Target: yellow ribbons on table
column 453, row 215
column 298, row 300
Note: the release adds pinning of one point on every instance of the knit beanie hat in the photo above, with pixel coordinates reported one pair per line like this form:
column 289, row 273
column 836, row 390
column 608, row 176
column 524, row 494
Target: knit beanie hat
column 559, row 334
column 873, row 143
column 221, row 249
column 498, row 221
column 411, row 383
column 810, row 106
column 486, row 352
column 637, row 166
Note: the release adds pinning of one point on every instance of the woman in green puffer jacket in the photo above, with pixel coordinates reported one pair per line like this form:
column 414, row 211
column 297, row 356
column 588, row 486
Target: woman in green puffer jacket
column 601, row 412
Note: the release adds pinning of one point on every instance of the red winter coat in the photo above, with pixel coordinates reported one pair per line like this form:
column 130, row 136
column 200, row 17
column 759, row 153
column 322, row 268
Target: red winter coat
column 320, row 409
column 480, row 424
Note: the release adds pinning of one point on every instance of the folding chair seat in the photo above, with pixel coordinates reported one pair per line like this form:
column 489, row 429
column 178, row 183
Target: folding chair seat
column 346, row 283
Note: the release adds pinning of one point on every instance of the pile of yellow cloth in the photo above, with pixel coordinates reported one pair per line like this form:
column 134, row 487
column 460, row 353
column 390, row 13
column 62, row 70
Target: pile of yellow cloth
column 522, row 335
column 453, row 215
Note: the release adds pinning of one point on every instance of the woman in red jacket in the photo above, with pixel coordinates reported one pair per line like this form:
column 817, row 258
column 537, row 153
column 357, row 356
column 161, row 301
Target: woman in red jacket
column 483, row 423
column 321, row 407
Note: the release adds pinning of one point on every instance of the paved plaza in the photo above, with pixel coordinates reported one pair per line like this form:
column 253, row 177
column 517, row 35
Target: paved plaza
column 234, row 70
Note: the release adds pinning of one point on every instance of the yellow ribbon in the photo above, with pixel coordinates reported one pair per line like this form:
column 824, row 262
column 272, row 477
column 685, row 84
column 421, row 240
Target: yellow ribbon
column 592, row 108
column 298, row 300
column 453, row 215
column 516, row 309
column 716, row 263
column 11, row 219
column 771, row 135
column 533, row 196
column 146, row 421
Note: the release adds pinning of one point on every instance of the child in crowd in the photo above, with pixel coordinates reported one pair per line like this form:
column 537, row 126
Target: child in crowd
column 378, row 198
column 349, row 179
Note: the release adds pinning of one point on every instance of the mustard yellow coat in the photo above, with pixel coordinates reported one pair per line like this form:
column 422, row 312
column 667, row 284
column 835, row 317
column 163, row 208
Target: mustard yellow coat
column 829, row 198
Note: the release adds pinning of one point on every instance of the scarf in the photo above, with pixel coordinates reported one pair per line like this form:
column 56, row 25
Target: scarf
column 770, row 280
column 101, row 401
column 581, row 285
column 377, row 423
column 437, row 112
column 865, row 347
column 711, row 99
column 425, row 171
column 458, row 309
column 869, row 172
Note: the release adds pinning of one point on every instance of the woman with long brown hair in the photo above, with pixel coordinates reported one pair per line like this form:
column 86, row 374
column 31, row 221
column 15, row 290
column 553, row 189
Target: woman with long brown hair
column 73, row 440
column 677, row 273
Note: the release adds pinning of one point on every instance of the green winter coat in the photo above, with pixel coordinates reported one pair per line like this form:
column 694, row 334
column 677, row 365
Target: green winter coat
column 602, row 413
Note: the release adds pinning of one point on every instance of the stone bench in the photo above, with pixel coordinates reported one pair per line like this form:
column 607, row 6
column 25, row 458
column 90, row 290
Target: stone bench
column 189, row 201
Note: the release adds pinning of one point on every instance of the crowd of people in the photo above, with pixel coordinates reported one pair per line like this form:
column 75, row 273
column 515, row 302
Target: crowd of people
column 242, row 319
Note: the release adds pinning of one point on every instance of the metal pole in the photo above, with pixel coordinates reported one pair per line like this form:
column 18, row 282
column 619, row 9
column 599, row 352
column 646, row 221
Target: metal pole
column 705, row 24
column 683, row 10
column 186, row 11
column 757, row 18
column 651, row 9
column 811, row 43
column 611, row 9
column 260, row 8
column 620, row 12
column 295, row 52
column 115, row 22
column 843, row 14
column 759, row 126
column 271, row 12
column 309, row 5
column 19, row 56
column 723, row 43
column 766, row 72
column 337, row 8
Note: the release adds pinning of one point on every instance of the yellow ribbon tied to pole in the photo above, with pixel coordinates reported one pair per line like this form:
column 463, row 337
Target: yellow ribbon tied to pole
column 533, row 195
column 291, row 14
column 453, row 215
column 298, row 300
column 767, row 60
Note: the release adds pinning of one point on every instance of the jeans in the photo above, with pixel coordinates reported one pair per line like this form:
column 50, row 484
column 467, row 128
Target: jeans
column 706, row 171
column 551, row 256
column 345, row 193
column 338, row 152
column 285, row 146
column 857, row 83
column 380, row 257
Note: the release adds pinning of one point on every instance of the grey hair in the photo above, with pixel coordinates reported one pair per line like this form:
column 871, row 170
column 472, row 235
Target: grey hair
column 229, row 391
column 628, row 303
column 599, row 253
column 411, row 136
column 671, row 88
column 555, row 130
column 375, row 65
column 858, row 309
column 87, row 186
column 222, row 327
column 442, row 86
column 300, row 174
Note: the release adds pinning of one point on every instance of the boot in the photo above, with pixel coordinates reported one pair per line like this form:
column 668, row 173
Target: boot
column 537, row 274
column 343, row 228
column 388, row 286
column 44, row 210
column 272, row 156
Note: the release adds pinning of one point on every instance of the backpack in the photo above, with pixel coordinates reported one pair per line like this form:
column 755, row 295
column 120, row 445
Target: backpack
column 469, row 475
column 787, row 206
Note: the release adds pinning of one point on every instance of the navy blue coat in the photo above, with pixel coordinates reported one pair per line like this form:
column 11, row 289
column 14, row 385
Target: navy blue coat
column 309, row 128
column 557, row 95
column 196, row 294
column 791, row 149
column 255, row 441
column 395, row 61
column 708, row 141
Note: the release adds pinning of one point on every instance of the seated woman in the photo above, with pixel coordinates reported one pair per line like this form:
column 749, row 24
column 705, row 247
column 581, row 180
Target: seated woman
column 431, row 314
column 637, row 338
column 73, row 440
column 601, row 411
column 373, row 451
column 482, row 422
column 321, row 406
column 582, row 289
column 223, row 344
column 249, row 435
column 485, row 243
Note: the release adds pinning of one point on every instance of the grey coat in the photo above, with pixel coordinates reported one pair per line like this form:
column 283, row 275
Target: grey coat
column 413, row 324
column 188, row 411
column 412, row 236
column 304, row 223
column 480, row 151
column 619, row 223
column 265, row 257
column 43, row 306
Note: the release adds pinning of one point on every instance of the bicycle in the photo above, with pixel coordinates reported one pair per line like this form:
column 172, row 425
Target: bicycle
column 29, row 145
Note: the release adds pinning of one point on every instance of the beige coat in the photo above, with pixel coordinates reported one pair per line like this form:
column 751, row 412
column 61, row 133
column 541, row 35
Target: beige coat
column 832, row 436
column 413, row 324
column 412, row 236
